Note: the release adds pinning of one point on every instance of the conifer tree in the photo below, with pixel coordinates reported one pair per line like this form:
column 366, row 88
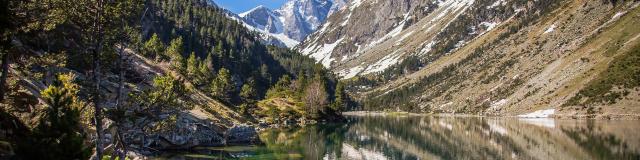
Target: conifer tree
column 192, row 64
column 206, row 67
column 248, row 91
column 223, row 86
column 174, row 51
column 340, row 98
column 59, row 134
column 154, row 48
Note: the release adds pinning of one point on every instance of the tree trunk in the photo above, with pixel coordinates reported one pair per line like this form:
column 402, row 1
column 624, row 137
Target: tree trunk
column 96, row 79
column 119, row 108
column 5, row 73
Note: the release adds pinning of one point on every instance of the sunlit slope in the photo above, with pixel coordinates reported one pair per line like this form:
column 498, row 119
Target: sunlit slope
column 520, row 67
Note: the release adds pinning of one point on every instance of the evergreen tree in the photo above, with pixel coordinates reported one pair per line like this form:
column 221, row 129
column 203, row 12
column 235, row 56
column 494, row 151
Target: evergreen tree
column 301, row 83
column 162, row 97
column 174, row 51
column 223, row 86
column 341, row 99
column 192, row 65
column 205, row 68
column 248, row 92
column 284, row 82
column 154, row 48
column 59, row 134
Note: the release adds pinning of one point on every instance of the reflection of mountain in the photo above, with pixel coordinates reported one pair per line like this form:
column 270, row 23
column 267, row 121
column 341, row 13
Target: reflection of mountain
column 456, row 138
column 483, row 138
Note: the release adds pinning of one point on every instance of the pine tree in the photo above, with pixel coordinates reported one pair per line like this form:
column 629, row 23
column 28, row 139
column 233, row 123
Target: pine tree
column 206, row 68
column 59, row 134
column 223, row 86
column 284, row 82
column 192, row 65
column 174, row 51
column 154, row 48
column 248, row 92
column 163, row 96
column 340, row 98
column 301, row 83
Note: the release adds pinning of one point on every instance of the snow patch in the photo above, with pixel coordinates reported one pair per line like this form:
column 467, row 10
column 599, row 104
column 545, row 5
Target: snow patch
column 499, row 103
column 324, row 27
column 244, row 14
column 427, row 48
column 280, row 36
column 539, row 114
column 383, row 63
column 459, row 44
column 497, row 3
column 355, row 4
column 489, row 25
column 618, row 15
column 446, row 104
column 550, row 29
column 350, row 73
column 323, row 54
column 393, row 33
column 346, row 20
column 405, row 36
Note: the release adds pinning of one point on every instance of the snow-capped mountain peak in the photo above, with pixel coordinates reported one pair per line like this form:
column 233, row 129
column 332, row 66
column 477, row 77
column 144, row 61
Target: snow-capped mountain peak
column 291, row 23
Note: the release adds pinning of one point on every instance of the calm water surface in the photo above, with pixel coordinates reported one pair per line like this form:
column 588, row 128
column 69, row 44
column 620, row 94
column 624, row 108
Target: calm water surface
column 433, row 137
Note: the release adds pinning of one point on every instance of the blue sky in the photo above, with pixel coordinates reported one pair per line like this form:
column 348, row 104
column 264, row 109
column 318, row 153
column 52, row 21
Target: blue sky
column 239, row 6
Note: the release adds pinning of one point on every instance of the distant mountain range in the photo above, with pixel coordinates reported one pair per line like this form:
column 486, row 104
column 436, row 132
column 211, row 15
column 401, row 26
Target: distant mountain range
column 290, row 24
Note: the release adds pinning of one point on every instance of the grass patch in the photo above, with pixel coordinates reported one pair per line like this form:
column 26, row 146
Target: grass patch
column 623, row 73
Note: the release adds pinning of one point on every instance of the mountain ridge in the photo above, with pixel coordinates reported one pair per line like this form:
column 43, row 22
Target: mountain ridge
column 475, row 56
column 288, row 25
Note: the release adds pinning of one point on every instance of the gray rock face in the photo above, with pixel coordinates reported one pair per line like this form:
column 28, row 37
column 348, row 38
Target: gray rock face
column 183, row 133
column 370, row 36
column 242, row 134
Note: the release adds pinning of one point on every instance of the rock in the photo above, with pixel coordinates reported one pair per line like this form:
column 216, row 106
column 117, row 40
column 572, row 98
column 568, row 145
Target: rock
column 242, row 134
column 5, row 149
column 188, row 134
column 185, row 133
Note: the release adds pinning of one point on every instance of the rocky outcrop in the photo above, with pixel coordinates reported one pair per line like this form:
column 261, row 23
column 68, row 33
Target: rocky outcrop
column 241, row 134
column 184, row 132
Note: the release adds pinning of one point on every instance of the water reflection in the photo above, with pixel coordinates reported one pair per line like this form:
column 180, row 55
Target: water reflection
column 429, row 137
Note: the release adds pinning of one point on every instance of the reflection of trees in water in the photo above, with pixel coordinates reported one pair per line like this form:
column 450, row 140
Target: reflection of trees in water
column 311, row 141
column 600, row 145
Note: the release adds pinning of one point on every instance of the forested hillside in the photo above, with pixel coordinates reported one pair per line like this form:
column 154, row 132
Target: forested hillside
column 155, row 74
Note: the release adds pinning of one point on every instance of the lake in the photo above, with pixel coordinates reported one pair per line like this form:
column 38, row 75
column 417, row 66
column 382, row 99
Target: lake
column 441, row 137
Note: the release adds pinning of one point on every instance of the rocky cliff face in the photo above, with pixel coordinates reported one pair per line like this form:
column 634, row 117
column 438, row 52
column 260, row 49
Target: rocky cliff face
column 291, row 23
column 370, row 36
column 479, row 56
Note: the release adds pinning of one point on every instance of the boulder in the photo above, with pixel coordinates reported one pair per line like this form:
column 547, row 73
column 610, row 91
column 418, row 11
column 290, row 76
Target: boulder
column 241, row 134
column 188, row 134
column 185, row 133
